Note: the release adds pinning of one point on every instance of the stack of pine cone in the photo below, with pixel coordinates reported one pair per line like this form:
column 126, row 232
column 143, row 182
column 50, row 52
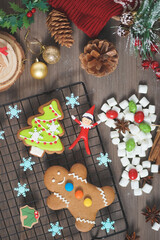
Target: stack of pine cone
column 60, row 28
column 100, row 58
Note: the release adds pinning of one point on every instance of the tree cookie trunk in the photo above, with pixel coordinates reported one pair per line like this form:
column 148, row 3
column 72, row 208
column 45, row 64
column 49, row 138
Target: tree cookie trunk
column 11, row 65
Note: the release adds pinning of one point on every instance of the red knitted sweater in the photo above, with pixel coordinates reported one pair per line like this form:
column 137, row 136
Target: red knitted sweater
column 92, row 15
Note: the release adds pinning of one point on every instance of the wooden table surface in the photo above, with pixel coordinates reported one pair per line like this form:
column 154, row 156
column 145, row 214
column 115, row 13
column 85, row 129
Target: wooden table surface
column 120, row 84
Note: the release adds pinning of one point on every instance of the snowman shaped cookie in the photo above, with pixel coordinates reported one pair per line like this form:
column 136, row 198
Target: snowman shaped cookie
column 71, row 190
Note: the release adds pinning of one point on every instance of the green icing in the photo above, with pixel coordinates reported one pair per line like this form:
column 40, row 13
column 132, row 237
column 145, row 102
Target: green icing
column 30, row 216
column 44, row 136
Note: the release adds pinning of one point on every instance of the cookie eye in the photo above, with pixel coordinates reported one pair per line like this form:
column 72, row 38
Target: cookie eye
column 58, row 173
column 53, row 180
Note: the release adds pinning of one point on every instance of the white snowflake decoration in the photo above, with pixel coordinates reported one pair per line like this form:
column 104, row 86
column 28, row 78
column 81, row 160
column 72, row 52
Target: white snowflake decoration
column 21, row 190
column 1, row 135
column 103, row 159
column 72, row 100
column 13, row 112
column 53, row 128
column 27, row 164
column 108, row 225
column 36, row 135
column 55, row 229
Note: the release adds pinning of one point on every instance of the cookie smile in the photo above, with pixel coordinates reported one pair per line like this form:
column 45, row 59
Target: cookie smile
column 62, row 181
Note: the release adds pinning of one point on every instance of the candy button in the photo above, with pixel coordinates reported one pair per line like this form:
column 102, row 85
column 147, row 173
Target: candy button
column 87, row 202
column 79, row 194
column 69, row 187
column 133, row 174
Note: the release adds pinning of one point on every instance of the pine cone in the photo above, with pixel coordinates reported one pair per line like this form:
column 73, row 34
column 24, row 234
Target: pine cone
column 100, row 58
column 60, row 28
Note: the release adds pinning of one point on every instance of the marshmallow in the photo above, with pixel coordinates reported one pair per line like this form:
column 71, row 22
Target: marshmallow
column 126, row 110
column 117, row 109
column 142, row 154
column 144, row 102
column 114, row 134
column 125, row 174
column 143, row 173
column 138, row 150
column 102, row 117
column 146, row 112
column 144, row 145
column 152, row 108
column 122, row 145
column 150, row 142
column 143, row 89
column 134, row 129
column 148, row 135
column 129, row 116
column 120, row 116
column 138, row 192
column 147, row 119
column 130, row 166
column 115, row 141
column 123, row 104
column 156, row 226
column 136, row 161
column 146, row 164
column 154, row 168
column 105, row 107
column 139, row 168
column 112, row 102
column 125, row 161
column 133, row 98
column 110, row 123
column 147, row 188
column 142, row 135
column 153, row 117
column 139, row 107
column 123, row 182
column 152, row 127
column 134, row 184
column 121, row 153
column 131, row 154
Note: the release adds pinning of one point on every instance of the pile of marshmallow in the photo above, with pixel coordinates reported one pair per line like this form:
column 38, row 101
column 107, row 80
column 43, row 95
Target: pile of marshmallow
column 141, row 138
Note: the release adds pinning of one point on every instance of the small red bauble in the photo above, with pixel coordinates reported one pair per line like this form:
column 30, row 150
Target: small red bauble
column 39, row 121
column 154, row 65
column 158, row 73
column 39, row 125
column 112, row 114
column 133, row 174
column 145, row 64
column 29, row 14
column 139, row 117
column 154, row 48
column 33, row 10
column 137, row 43
column 50, row 121
column 44, row 143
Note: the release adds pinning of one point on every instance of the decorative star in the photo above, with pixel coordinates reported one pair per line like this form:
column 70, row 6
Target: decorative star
column 21, row 190
column 13, row 112
column 27, row 164
column 55, row 229
column 107, row 225
column 103, row 159
column 72, row 100
column 1, row 133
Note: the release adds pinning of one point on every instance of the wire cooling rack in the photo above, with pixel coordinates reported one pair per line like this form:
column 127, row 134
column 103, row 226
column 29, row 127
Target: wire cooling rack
column 12, row 150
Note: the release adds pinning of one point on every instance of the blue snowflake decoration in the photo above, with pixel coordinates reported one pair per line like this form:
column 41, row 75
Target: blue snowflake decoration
column 55, row 229
column 107, row 225
column 21, row 190
column 27, row 164
column 13, row 112
column 103, row 159
column 1, row 133
column 72, row 100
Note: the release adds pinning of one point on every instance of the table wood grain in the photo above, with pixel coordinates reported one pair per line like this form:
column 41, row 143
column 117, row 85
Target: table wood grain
column 120, row 84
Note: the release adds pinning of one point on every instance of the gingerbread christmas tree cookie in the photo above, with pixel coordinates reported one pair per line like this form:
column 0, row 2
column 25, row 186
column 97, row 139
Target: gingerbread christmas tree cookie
column 44, row 130
column 29, row 216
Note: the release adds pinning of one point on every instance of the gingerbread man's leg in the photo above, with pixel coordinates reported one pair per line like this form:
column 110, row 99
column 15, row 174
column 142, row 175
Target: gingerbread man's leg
column 87, row 146
column 83, row 226
column 75, row 142
column 55, row 203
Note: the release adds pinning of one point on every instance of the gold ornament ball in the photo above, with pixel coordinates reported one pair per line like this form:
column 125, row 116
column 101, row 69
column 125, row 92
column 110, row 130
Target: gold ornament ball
column 39, row 70
column 51, row 54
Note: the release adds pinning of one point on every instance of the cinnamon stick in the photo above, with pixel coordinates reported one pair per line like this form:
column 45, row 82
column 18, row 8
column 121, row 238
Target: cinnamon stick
column 155, row 151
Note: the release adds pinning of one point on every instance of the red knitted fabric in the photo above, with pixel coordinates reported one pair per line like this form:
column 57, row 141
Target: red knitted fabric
column 91, row 15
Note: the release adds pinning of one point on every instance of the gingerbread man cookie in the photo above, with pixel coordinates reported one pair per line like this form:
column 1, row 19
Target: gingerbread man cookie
column 71, row 190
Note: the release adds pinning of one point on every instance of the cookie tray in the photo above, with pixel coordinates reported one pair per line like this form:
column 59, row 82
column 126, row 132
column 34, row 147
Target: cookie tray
column 12, row 150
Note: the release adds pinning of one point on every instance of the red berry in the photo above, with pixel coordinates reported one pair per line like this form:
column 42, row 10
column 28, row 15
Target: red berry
column 145, row 64
column 158, row 73
column 154, row 65
column 36, row 212
column 139, row 117
column 33, row 10
column 133, row 174
column 137, row 43
column 154, row 48
column 29, row 14
column 112, row 114
column 36, row 216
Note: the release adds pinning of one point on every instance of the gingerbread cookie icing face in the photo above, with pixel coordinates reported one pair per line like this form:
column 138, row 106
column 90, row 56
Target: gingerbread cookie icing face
column 71, row 190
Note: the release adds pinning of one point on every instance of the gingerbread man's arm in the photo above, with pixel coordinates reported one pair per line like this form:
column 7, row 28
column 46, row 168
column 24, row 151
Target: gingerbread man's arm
column 76, row 120
column 55, row 203
column 95, row 124
column 79, row 170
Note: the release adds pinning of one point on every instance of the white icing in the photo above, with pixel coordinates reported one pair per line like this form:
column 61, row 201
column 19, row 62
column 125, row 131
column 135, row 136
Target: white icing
column 55, row 139
column 53, row 180
column 36, row 151
column 77, row 177
column 61, row 198
column 62, row 181
column 85, row 220
column 58, row 173
column 86, row 126
column 53, row 128
column 103, row 196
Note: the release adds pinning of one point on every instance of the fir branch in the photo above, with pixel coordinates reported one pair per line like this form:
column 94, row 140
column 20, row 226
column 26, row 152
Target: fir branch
column 16, row 8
